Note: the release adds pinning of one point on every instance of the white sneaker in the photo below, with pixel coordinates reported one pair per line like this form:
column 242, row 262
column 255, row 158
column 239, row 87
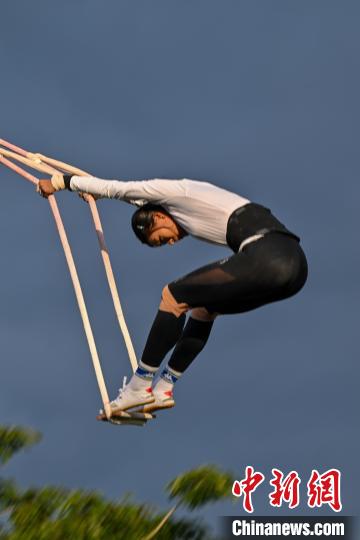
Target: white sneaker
column 162, row 400
column 129, row 398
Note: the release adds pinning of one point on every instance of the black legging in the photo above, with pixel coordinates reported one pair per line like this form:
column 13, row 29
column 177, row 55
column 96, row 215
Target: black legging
column 267, row 270
column 270, row 269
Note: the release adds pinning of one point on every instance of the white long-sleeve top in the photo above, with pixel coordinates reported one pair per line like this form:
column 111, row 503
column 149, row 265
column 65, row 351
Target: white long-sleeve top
column 200, row 208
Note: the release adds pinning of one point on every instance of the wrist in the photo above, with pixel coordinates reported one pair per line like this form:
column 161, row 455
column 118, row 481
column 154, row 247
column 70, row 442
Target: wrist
column 61, row 181
column 67, row 180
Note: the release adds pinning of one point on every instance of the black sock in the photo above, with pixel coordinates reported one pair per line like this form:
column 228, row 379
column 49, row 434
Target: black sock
column 190, row 344
column 164, row 334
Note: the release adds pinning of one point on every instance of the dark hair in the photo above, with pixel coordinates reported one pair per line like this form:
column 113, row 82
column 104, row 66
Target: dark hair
column 143, row 219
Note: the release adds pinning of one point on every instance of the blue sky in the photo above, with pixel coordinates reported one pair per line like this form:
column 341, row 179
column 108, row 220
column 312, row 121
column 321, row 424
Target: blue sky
column 258, row 97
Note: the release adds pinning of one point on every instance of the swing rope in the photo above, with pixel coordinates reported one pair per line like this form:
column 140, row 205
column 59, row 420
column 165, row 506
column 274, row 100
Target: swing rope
column 51, row 166
column 75, row 281
column 47, row 165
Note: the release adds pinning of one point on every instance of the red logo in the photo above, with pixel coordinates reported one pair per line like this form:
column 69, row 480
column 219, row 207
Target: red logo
column 285, row 489
column 325, row 489
column 247, row 486
column 321, row 489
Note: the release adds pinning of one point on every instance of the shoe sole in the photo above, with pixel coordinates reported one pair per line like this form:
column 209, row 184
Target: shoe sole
column 126, row 418
column 152, row 407
column 114, row 411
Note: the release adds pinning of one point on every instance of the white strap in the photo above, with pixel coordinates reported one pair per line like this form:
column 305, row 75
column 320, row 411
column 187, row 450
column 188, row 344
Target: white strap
column 249, row 240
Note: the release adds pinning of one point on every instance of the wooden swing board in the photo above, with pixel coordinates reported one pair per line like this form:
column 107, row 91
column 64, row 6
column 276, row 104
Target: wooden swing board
column 124, row 422
column 126, row 418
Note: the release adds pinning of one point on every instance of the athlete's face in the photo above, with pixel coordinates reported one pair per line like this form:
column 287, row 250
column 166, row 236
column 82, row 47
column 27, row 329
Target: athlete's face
column 164, row 231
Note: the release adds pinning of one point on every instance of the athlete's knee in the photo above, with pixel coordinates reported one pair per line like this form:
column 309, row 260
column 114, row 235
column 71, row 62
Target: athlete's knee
column 284, row 273
column 291, row 275
column 299, row 277
column 171, row 305
column 202, row 314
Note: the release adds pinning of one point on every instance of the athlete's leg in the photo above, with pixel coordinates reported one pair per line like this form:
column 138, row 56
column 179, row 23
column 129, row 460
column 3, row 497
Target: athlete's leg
column 160, row 342
column 164, row 334
column 191, row 342
column 166, row 329
column 268, row 270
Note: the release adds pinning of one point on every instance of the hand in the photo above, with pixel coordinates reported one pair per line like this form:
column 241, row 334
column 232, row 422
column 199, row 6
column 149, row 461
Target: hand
column 45, row 188
column 86, row 197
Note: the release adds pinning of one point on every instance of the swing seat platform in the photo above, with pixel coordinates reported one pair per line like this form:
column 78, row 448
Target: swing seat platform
column 126, row 418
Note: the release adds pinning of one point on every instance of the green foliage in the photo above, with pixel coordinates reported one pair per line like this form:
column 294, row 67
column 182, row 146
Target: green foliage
column 13, row 439
column 201, row 486
column 53, row 513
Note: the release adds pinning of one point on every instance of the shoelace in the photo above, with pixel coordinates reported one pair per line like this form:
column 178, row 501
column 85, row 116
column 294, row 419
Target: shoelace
column 121, row 390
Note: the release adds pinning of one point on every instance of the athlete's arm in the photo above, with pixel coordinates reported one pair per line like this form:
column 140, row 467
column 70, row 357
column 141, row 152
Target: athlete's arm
column 135, row 192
